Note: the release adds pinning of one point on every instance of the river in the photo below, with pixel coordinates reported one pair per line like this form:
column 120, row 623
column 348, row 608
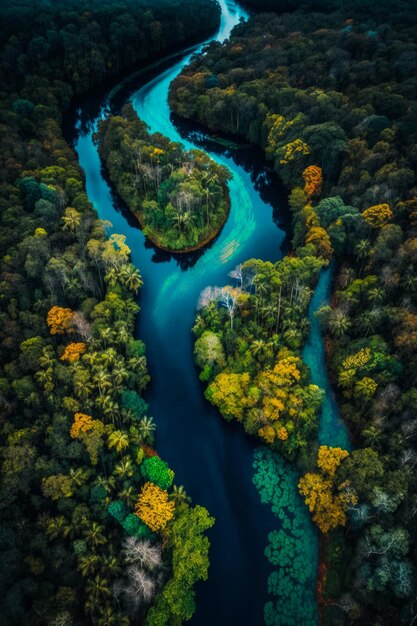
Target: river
column 211, row 458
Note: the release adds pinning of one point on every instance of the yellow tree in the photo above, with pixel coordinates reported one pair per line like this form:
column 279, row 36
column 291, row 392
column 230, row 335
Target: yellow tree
column 153, row 507
column 327, row 502
column 378, row 215
column 73, row 351
column 228, row 392
column 90, row 432
column 58, row 320
column 321, row 240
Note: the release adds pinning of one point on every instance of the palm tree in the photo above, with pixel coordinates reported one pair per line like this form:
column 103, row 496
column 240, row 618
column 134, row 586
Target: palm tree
column 128, row 495
column 179, row 495
column 118, row 440
column 88, row 564
column 97, row 587
column 131, row 278
column 339, row 323
column 57, row 526
column 124, row 469
column 71, row 219
column 347, row 275
column 78, row 476
column 111, row 564
column 371, row 434
column 108, row 617
column 106, row 334
column 257, row 347
column 94, row 535
column 362, row 251
column 376, row 294
column 146, row 427
column 112, row 276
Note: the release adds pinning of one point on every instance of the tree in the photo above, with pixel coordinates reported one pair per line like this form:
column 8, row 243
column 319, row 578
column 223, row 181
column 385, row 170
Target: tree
column 57, row 486
column 73, row 351
column 313, row 179
column 118, row 440
column 327, row 504
column 229, row 298
column 156, row 471
column 58, row 320
column 378, row 215
column 153, row 507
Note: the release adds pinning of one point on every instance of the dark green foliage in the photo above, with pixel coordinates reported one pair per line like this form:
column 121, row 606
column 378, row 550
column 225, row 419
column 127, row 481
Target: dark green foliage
column 132, row 402
column 180, row 198
column 63, row 553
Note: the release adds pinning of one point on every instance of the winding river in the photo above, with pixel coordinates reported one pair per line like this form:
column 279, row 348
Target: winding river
column 212, row 459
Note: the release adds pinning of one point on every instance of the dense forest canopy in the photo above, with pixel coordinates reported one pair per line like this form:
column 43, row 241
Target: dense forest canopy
column 331, row 98
column 93, row 528
column 179, row 198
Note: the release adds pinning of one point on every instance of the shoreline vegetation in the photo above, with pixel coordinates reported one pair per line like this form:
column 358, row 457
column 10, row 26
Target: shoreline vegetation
column 332, row 94
column 180, row 199
column 93, row 527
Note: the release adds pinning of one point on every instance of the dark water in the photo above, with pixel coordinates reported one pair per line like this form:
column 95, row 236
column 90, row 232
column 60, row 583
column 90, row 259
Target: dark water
column 211, row 458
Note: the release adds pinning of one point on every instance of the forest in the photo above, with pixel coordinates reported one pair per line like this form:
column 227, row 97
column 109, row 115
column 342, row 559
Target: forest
column 93, row 530
column 180, row 199
column 331, row 99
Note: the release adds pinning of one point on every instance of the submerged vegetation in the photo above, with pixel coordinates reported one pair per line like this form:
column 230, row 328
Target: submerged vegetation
column 179, row 198
column 93, row 528
column 332, row 92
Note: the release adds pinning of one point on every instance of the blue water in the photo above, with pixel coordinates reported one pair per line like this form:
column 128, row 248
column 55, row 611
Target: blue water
column 211, row 458
column 332, row 430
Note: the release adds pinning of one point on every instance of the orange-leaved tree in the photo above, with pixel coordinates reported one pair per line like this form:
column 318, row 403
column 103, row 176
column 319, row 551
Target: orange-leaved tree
column 58, row 320
column 313, row 179
column 73, row 351
column 326, row 501
column 153, row 507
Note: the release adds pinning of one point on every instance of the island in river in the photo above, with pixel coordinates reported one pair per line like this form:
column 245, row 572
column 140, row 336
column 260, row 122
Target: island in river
column 180, row 198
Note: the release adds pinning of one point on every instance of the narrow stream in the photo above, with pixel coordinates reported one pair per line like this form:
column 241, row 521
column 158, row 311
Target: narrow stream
column 211, row 458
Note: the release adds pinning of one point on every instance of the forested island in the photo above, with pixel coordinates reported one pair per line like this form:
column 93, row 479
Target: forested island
column 94, row 527
column 180, row 199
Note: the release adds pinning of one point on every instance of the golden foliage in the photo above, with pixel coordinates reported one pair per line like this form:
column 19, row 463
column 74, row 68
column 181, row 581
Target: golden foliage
column 377, row 215
column 359, row 359
column 58, row 320
column 82, row 423
column 90, row 432
column 327, row 503
column 313, row 178
column 73, row 351
column 294, row 150
column 320, row 239
column 153, row 507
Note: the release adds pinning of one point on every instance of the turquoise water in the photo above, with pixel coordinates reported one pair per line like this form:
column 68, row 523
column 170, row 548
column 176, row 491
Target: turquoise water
column 332, row 430
column 211, row 458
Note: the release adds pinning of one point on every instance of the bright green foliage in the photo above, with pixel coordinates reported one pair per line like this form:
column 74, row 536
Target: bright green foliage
column 156, row 471
column 190, row 563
